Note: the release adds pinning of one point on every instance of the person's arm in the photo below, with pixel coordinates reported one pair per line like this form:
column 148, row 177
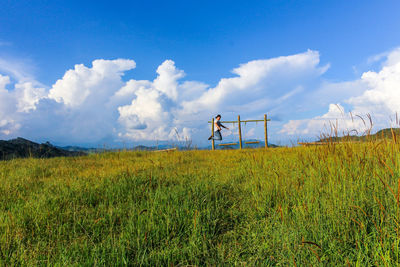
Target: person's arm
column 224, row 127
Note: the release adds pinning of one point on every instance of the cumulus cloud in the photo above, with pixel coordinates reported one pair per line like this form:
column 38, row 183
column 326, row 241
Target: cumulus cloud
column 382, row 96
column 260, row 82
column 91, row 104
column 22, row 99
column 335, row 122
column 27, row 96
column 376, row 94
column 97, row 83
column 96, row 104
column 7, row 107
column 150, row 114
column 77, row 108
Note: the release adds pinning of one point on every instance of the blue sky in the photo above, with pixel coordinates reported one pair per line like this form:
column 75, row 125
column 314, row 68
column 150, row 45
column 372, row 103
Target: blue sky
column 206, row 39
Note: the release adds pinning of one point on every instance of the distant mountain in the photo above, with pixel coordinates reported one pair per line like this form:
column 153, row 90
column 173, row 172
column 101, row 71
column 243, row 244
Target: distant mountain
column 381, row 134
column 144, row 148
column 22, row 148
column 82, row 149
column 100, row 150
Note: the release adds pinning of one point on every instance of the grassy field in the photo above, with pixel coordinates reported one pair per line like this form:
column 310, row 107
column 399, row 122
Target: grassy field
column 326, row 205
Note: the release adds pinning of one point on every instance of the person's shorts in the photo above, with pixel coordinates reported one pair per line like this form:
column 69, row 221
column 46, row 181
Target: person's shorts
column 217, row 135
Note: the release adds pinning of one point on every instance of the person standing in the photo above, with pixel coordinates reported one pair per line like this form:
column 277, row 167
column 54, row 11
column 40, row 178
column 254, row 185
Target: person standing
column 218, row 127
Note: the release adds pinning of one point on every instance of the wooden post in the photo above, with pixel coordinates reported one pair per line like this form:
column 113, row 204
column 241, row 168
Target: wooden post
column 240, row 133
column 265, row 131
column 212, row 134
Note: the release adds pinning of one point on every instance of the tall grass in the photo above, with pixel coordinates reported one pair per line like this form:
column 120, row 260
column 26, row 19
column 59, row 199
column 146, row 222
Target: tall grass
column 328, row 205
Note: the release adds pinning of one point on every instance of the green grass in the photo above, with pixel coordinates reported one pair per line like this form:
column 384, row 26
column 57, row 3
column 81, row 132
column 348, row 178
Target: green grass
column 327, row 205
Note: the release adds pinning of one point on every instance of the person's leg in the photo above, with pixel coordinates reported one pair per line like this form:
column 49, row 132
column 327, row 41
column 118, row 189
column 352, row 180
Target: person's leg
column 217, row 135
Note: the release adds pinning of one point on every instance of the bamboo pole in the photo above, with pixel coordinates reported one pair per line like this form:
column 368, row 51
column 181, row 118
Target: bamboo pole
column 212, row 134
column 252, row 142
column 265, row 131
column 241, row 121
column 166, row 150
column 240, row 133
column 228, row 144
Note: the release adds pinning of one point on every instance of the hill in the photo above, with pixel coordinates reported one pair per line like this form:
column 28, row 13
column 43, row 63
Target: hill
column 23, row 148
column 381, row 134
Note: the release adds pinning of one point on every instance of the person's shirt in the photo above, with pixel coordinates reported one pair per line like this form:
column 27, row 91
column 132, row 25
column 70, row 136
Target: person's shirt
column 218, row 123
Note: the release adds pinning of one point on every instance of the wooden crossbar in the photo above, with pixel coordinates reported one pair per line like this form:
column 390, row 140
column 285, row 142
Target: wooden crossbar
column 228, row 144
column 240, row 121
column 166, row 150
column 252, row 142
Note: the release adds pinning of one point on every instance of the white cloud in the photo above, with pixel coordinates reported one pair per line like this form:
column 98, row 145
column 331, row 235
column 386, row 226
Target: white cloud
column 334, row 122
column 260, row 80
column 4, row 80
column 8, row 105
column 167, row 80
column 160, row 107
column 375, row 93
column 382, row 96
column 95, row 104
column 27, row 96
column 93, row 84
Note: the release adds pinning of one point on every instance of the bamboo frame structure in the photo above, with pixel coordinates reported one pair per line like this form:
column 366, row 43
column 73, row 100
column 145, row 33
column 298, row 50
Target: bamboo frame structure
column 265, row 120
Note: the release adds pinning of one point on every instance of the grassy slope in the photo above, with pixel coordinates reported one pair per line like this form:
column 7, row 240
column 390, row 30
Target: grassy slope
column 329, row 205
column 388, row 133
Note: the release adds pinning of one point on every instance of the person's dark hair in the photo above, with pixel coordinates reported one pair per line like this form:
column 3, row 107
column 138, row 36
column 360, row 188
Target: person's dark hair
column 218, row 116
